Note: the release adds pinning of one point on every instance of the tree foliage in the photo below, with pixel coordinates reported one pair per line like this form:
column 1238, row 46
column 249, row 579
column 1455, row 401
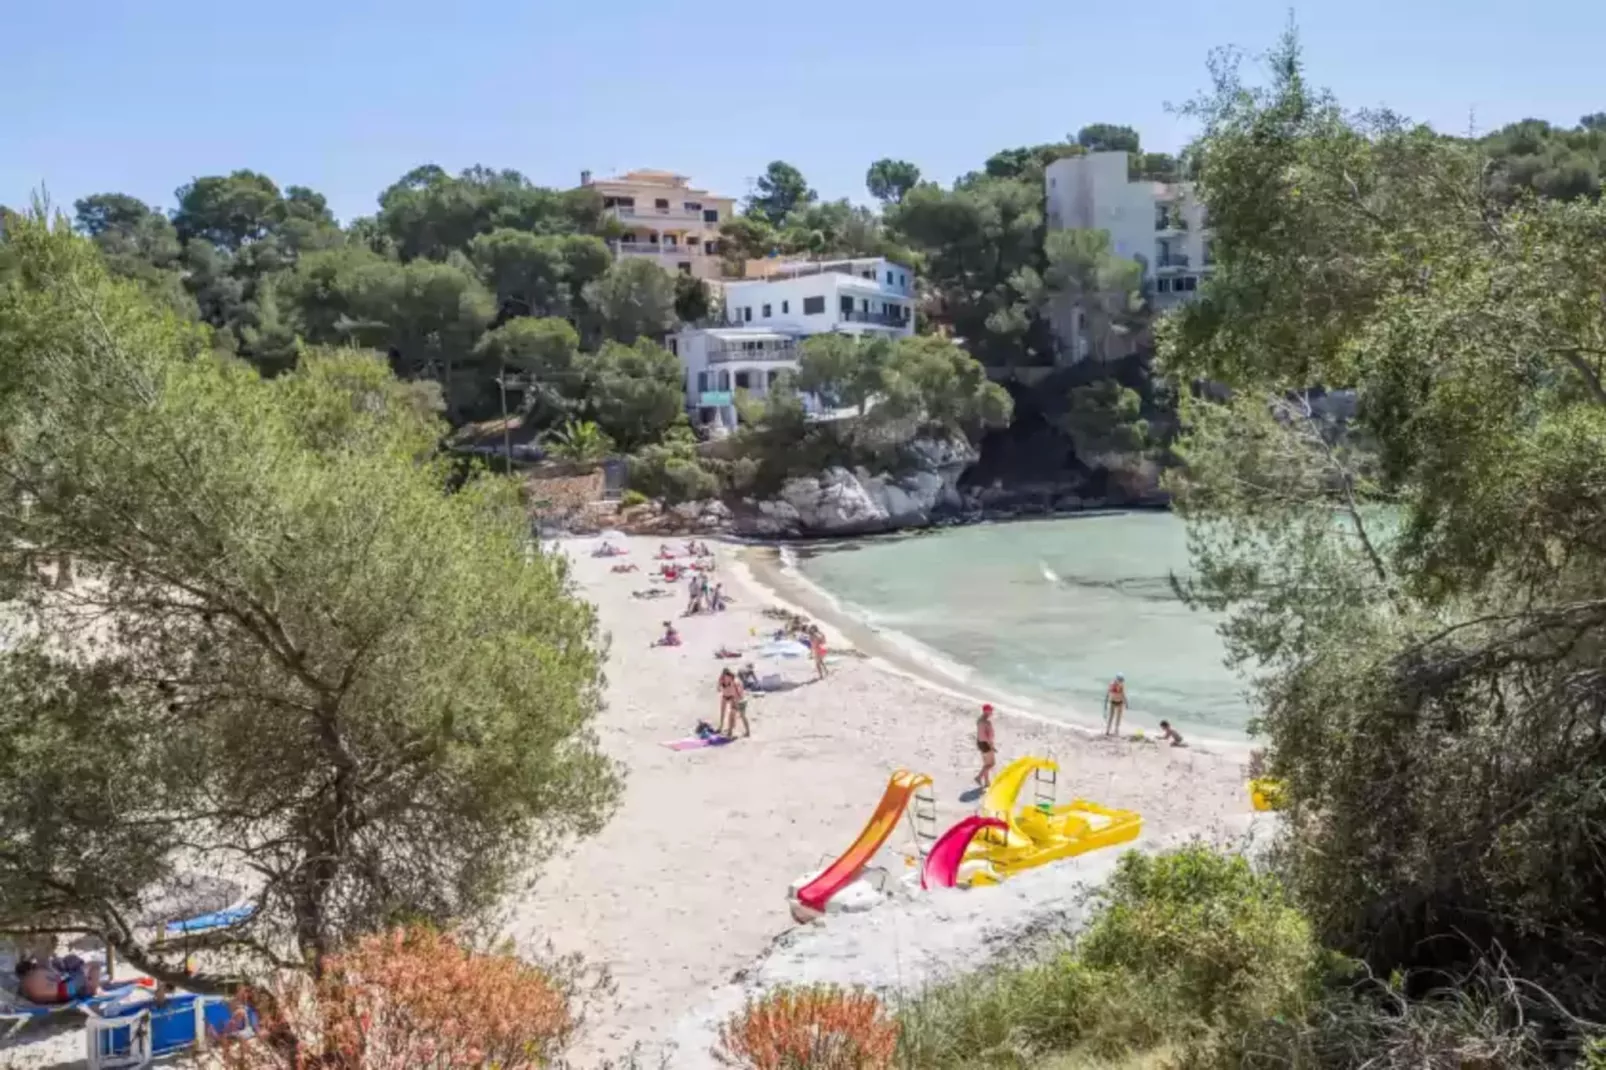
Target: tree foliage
column 982, row 247
column 1418, row 595
column 1105, row 417
column 635, row 299
column 635, row 393
column 889, row 181
column 779, row 191
column 289, row 653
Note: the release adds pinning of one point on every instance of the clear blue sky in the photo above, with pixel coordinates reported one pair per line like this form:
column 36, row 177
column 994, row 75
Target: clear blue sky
column 346, row 95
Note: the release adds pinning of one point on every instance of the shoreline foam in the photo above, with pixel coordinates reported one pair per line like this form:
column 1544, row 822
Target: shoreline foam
column 773, row 568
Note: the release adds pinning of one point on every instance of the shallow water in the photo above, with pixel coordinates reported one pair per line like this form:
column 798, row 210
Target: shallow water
column 1048, row 611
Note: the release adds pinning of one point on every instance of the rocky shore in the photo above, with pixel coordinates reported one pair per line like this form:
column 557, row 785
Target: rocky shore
column 929, row 492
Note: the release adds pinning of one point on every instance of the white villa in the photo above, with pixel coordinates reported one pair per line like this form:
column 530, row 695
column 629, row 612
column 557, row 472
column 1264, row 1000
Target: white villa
column 768, row 317
column 1161, row 225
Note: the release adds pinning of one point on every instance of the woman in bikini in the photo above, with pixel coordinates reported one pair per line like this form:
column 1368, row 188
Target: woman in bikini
column 817, row 648
column 732, row 705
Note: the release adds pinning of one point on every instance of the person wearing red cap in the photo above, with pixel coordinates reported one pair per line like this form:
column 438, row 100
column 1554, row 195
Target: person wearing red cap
column 984, row 743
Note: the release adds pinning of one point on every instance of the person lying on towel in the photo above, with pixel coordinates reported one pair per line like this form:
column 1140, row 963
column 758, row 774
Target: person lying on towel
column 57, row 981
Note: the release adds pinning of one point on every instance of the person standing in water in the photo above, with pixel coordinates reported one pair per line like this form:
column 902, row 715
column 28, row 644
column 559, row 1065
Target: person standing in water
column 984, row 744
column 1114, row 705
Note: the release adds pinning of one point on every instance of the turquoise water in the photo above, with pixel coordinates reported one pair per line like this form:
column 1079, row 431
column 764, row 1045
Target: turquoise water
column 1048, row 611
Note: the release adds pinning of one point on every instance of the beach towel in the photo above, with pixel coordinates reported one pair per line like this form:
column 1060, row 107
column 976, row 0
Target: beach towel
column 695, row 742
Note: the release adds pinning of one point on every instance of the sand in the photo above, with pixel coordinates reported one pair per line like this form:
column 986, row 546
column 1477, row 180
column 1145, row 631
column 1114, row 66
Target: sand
column 686, row 886
column 682, row 897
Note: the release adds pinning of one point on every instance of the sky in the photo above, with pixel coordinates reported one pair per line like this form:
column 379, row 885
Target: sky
column 345, row 96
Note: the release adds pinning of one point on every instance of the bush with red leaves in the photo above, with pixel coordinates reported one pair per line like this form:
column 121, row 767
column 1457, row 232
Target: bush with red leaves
column 814, row 1028
column 405, row 999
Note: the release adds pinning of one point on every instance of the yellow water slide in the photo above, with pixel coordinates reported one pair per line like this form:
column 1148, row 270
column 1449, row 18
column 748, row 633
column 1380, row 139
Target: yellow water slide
column 1043, row 833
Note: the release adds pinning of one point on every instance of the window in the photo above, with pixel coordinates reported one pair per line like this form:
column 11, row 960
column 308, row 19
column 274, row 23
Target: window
column 903, row 280
column 864, row 305
column 693, row 207
column 710, row 215
column 868, row 274
column 702, row 382
column 685, row 267
column 1162, row 285
column 786, row 308
column 1188, row 283
column 889, row 278
column 711, row 248
column 661, row 204
column 747, row 314
column 813, row 306
column 766, row 311
column 846, row 304
column 742, row 381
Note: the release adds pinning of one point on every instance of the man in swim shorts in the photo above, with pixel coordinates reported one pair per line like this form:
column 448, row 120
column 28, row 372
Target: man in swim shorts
column 984, row 744
column 1114, row 705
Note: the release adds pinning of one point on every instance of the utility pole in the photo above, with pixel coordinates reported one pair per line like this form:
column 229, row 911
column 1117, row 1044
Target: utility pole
column 507, row 432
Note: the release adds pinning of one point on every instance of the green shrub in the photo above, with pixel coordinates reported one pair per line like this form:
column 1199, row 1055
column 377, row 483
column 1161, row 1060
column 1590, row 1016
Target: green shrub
column 632, row 497
column 1184, row 949
column 672, row 474
column 1223, row 938
column 1486, row 1020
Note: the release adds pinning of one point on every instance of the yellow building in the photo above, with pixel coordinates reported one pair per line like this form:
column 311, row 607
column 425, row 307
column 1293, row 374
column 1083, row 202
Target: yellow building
column 665, row 219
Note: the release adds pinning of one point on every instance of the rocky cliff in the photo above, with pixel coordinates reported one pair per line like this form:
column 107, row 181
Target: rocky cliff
column 842, row 501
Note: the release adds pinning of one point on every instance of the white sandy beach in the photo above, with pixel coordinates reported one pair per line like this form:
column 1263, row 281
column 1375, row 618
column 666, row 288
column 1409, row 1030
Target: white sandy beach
column 682, row 897
column 686, row 886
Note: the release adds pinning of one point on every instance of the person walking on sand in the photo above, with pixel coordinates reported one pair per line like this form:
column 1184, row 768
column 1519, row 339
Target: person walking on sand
column 984, row 744
column 1114, row 705
column 817, row 648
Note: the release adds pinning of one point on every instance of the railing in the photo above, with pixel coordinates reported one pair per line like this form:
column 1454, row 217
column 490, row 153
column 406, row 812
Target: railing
column 883, row 319
column 626, row 248
column 762, row 355
column 1174, row 260
column 854, row 269
column 661, row 214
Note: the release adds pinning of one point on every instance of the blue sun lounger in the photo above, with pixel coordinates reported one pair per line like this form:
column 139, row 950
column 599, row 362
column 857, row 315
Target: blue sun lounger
column 203, row 924
column 127, row 1038
column 17, row 1012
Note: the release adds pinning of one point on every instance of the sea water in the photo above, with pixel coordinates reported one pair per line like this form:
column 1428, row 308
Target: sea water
column 1048, row 611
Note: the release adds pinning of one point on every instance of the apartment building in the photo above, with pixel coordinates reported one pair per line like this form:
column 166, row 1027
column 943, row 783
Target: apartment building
column 767, row 318
column 1161, row 225
column 665, row 218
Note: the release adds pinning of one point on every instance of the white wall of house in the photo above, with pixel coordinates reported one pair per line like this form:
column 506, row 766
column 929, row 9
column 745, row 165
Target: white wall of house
column 1161, row 225
column 871, row 296
column 719, row 361
column 769, row 319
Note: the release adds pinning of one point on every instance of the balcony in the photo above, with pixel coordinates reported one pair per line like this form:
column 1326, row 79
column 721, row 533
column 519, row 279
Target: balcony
column 660, row 217
column 666, row 252
column 1171, row 260
column 763, row 353
column 878, row 319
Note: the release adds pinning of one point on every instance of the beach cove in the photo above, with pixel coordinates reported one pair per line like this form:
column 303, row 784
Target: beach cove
column 685, row 888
